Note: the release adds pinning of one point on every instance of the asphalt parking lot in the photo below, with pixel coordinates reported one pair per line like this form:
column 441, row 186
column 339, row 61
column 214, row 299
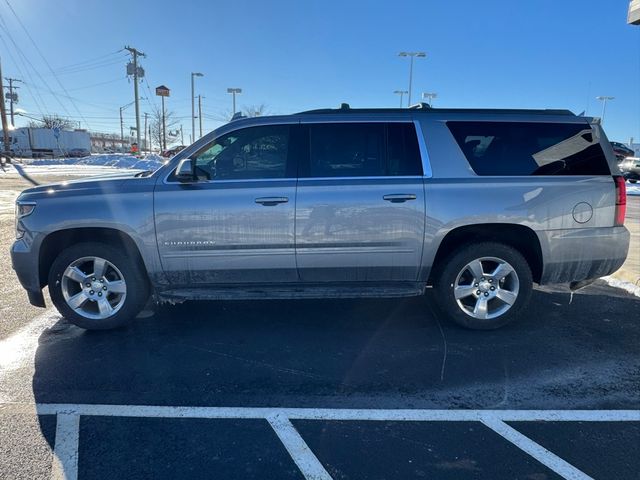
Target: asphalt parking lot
column 331, row 376
column 343, row 389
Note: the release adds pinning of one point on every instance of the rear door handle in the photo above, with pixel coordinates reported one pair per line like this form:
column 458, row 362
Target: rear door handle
column 399, row 197
column 271, row 201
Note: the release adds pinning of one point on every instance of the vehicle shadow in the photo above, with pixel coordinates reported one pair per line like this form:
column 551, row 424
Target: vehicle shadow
column 380, row 353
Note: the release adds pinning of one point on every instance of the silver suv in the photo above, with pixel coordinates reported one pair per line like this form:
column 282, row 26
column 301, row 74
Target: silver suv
column 476, row 204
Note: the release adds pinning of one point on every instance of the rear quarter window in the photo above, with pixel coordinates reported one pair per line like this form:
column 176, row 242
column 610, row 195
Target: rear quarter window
column 523, row 148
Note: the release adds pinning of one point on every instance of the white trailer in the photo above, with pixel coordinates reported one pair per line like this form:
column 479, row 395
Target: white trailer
column 48, row 142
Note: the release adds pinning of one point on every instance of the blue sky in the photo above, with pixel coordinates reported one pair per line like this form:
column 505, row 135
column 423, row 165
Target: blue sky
column 295, row 55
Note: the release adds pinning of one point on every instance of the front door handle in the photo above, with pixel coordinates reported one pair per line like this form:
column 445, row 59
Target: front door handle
column 399, row 197
column 271, row 201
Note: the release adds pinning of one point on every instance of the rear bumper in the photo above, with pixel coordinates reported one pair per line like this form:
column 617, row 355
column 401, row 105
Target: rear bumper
column 582, row 254
column 24, row 261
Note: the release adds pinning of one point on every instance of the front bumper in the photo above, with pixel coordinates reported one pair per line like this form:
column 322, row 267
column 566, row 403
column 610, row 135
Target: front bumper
column 574, row 255
column 24, row 261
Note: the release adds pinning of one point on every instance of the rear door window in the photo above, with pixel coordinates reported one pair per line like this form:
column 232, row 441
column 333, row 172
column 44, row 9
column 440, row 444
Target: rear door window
column 362, row 150
column 528, row 148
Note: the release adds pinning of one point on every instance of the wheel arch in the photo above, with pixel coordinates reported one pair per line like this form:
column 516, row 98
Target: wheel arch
column 520, row 237
column 57, row 241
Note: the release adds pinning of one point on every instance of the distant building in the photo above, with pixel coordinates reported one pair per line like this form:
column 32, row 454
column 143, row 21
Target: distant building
column 111, row 143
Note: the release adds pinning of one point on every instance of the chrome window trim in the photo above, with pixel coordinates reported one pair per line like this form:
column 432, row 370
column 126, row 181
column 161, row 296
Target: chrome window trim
column 424, row 153
column 379, row 177
column 246, row 180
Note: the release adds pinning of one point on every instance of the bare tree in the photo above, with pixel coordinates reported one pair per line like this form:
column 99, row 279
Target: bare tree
column 53, row 121
column 256, row 110
column 247, row 111
column 171, row 126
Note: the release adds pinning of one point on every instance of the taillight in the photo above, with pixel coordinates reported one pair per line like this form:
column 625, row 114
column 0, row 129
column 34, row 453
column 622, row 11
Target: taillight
column 621, row 200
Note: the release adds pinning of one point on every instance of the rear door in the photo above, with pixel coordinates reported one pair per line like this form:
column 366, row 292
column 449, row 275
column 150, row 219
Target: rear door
column 360, row 205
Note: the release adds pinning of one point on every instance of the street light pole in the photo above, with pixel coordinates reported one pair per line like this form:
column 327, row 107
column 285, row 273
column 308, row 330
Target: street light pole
column 234, row 91
column 200, row 114
column 193, row 107
column 411, row 56
column 604, row 100
column 401, row 93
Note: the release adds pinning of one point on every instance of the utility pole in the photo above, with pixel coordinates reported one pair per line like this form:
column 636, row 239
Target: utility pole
column 234, row 91
column 181, row 136
column 137, row 72
column 411, row 55
column 604, row 100
column 200, row 113
column 5, row 127
column 193, row 108
column 146, row 145
column 121, row 128
column 13, row 97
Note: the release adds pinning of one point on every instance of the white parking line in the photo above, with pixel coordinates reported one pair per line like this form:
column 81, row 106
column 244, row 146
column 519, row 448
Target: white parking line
column 300, row 452
column 394, row 415
column 67, row 431
column 537, row 451
column 65, row 452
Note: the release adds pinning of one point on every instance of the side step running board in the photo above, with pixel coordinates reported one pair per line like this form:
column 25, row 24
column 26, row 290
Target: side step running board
column 245, row 292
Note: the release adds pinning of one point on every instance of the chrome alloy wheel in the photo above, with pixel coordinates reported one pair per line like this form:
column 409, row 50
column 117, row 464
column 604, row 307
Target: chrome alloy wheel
column 93, row 288
column 486, row 288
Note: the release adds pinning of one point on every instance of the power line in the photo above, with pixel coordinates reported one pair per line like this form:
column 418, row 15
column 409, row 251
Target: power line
column 90, row 67
column 40, row 104
column 27, row 64
column 44, row 59
column 98, row 59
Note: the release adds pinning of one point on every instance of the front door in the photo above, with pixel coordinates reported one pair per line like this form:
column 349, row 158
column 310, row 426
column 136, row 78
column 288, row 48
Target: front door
column 236, row 223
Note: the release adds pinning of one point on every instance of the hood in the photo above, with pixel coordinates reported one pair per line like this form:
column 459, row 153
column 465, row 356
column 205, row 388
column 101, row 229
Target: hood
column 120, row 182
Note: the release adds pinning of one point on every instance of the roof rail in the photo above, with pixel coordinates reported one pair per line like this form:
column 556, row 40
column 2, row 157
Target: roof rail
column 237, row 116
column 420, row 106
column 424, row 108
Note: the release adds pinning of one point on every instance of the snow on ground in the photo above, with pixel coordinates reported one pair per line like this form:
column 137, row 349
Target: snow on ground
column 92, row 165
column 150, row 162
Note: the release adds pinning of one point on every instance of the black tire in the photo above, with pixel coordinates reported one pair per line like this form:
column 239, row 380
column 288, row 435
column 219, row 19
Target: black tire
column 447, row 273
column 633, row 180
column 128, row 265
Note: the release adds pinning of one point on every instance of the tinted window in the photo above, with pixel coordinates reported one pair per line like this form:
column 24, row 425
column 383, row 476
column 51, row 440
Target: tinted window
column 363, row 150
column 402, row 150
column 517, row 148
column 346, row 149
column 250, row 153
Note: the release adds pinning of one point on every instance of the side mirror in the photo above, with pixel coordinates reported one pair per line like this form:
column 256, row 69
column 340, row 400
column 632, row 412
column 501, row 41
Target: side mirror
column 184, row 172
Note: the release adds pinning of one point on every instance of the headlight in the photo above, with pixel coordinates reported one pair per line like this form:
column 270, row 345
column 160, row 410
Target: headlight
column 24, row 209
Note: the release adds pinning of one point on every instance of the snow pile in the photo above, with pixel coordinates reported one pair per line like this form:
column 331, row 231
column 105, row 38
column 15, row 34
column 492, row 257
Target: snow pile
column 150, row 162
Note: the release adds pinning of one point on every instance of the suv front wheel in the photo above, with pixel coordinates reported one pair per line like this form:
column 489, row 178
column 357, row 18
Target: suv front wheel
column 96, row 286
column 483, row 286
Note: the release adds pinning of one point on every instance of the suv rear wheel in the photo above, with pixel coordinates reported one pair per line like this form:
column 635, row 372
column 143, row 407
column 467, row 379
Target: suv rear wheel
column 96, row 286
column 483, row 286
